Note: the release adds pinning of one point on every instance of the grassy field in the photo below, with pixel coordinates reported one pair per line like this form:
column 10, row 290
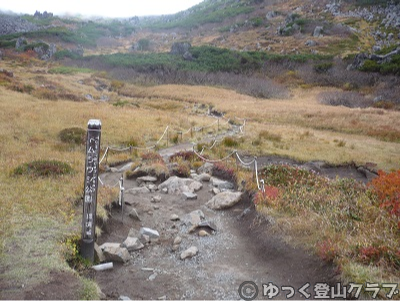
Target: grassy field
column 37, row 214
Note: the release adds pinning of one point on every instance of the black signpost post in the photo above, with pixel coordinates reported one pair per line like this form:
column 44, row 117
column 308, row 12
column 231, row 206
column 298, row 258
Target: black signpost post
column 90, row 190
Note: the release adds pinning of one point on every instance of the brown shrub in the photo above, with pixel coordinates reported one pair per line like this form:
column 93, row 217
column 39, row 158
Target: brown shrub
column 347, row 99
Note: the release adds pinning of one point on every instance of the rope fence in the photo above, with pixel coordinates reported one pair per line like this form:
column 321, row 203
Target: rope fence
column 260, row 183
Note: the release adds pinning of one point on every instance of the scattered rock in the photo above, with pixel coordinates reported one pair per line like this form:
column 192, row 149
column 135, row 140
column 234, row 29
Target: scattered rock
column 187, row 56
column 146, row 179
column 176, row 185
column 189, row 253
column 152, row 187
column 203, row 233
column 177, row 240
column 224, row 200
column 114, row 252
column 156, row 199
column 174, row 217
column 98, row 253
column 156, row 207
column 132, row 244
column 175, row 248
column 203, row 225
column 147, row 270
column 21, row 42
column 152, row 234
column 271, row 15
column 153, row 276
column 204, row 177
column 206, row 168
column 190, row 196
column 318, row 31
column 89, row 96
column 194, row 218
column 138, row 190
column 222, row 185
column 311, row 43
column 124, row 298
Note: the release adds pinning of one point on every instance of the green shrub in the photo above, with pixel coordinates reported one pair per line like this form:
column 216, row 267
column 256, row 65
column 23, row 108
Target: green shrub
column 43, row 168
column 323, row 67
column 73, row 135
column 143, row 44
column 230, row 142
column 370, row 66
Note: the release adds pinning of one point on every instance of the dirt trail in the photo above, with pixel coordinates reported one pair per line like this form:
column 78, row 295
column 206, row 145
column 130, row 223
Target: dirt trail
column 241, row 249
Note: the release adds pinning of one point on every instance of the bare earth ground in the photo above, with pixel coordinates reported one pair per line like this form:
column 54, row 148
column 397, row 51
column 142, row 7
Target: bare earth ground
column 240, row 250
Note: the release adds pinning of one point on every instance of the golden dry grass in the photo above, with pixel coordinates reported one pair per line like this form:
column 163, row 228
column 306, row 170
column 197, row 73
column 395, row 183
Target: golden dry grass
column 29, row 129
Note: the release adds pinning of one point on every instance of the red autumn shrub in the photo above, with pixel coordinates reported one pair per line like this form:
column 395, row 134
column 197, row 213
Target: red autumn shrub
column 387, row 188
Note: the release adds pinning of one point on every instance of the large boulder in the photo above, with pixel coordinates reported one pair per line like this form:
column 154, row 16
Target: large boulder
column 222, row 185
column 318, row 31
column 114, row 252
column 224, row 200
column 180, row 48
column 176, row 185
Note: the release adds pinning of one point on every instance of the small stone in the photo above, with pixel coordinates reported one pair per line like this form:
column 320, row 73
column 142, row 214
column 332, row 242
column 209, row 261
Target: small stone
column 189, row 253
column 150, row 212
column 132, row 244
column 153, row 234
column 162, row 297
column 114, row 252
column 177, row 240
column 153, row 276
column 156, row 199
column 164, row 190
column 203, row 233
column 224, row 200
column 174, row 217
column 175, row 248
column 190, row 195
column 152, row 187
column 147, row 269
column 146, row 179
column 124, row 298
column 156, row 207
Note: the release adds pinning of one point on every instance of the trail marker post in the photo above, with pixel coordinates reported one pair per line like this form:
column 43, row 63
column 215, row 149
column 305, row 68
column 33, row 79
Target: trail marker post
column 90, row 190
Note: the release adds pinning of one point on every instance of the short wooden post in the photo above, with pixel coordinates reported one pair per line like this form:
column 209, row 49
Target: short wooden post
column 167, row 136
column 90, row 190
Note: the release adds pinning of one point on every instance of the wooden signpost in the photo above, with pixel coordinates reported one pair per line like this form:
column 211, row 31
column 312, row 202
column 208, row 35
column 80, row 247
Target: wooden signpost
column 90, row 190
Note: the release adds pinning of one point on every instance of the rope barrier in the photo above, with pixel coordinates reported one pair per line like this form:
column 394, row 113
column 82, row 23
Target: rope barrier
column 200, row 155
column 244, row 163
column 212, row 161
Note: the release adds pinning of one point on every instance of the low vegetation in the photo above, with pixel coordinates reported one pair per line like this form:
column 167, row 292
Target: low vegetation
column 347, row 223
column 43, row 168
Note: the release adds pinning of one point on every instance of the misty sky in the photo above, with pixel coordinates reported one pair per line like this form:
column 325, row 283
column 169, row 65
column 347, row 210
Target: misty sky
column 105, row 8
